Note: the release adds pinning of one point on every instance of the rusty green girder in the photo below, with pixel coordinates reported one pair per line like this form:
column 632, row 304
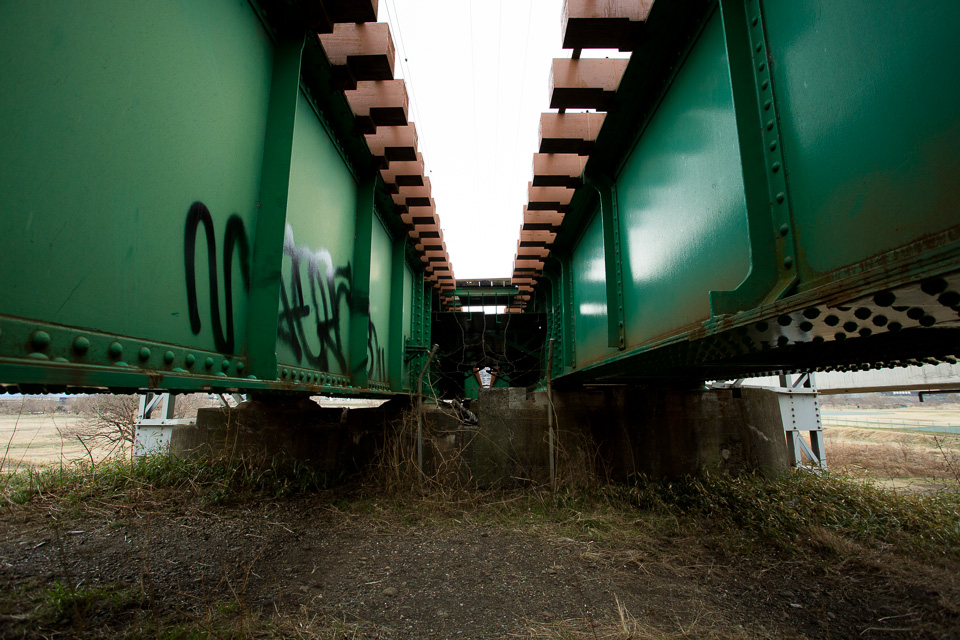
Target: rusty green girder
column 772, row 189
column 187, row 206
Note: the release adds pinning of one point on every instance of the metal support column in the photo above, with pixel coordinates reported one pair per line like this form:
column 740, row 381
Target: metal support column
column 800, row 410
column 396, row 355
column 152, row 434
column 772, row 254
column 360, row 293
column 613, row 262
column 262, row 317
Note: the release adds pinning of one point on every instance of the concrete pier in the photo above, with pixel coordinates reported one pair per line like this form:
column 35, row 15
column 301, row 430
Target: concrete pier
column 278, row 430
column 617, row 433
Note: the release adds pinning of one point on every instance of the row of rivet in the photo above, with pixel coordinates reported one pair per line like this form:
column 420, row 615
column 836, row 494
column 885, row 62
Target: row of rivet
column 306, row 376
column 775, row 178
column 40, row 340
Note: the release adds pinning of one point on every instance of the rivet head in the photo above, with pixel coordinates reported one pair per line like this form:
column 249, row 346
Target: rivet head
column 240, row 367
column 769, row 125
column 784, row 229
column 781, row 197
column 115, row 350
column 788, row 262
column 81, row 344
column 775, row 167
column 755, row 21
column 773, row 146
column 767, row 105
column 144, row 353
column 190, row 359
column 286, row 373
column 225, row 364
column 758, row 48
column 40, row 340
column 168, row 357
column 208, row 363
column 761, row 66
column 764, row 85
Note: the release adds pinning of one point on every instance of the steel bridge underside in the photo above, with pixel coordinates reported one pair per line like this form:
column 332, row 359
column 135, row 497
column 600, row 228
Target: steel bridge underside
column 773, row 189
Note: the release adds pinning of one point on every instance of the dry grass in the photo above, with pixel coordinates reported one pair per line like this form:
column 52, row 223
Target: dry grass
column 886, row 454
column 621, row 624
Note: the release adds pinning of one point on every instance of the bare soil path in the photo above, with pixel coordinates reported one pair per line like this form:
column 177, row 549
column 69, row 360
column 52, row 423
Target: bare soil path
column 335, row 565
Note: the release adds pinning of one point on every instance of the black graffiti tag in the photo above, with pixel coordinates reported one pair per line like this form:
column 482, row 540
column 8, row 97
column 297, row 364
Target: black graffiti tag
column 376, row 358
column 235, row 237
column 313, row 305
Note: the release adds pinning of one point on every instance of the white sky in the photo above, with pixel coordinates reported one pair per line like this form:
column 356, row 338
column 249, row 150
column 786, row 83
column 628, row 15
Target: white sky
column 476, row 73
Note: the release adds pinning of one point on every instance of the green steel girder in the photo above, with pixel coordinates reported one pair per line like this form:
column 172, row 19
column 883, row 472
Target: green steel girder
column 829, row 131
column 486, row 291
column 669, row 32
column 194, row 133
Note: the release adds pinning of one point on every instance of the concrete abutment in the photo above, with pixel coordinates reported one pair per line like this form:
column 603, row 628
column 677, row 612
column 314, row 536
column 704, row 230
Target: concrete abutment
column 612, row 433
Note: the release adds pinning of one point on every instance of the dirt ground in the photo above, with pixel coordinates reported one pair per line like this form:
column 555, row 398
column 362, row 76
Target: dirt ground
column 352, row 563
column 335, row 565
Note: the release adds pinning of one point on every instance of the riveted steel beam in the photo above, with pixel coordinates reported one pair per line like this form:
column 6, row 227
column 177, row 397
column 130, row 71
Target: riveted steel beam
column 772, row 253
column 613, row 260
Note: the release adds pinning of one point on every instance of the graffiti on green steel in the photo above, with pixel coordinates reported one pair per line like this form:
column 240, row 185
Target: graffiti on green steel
column 235, row 238
column 313, row 306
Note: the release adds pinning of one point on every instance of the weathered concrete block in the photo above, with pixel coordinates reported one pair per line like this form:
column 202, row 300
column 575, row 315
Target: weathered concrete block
column 263, row 432
column 671, row 432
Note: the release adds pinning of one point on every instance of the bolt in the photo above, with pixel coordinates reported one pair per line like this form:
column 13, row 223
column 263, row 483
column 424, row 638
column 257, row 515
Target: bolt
column 81, row 345
column 40, row 340
column 115, row 350
column 144, row 353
